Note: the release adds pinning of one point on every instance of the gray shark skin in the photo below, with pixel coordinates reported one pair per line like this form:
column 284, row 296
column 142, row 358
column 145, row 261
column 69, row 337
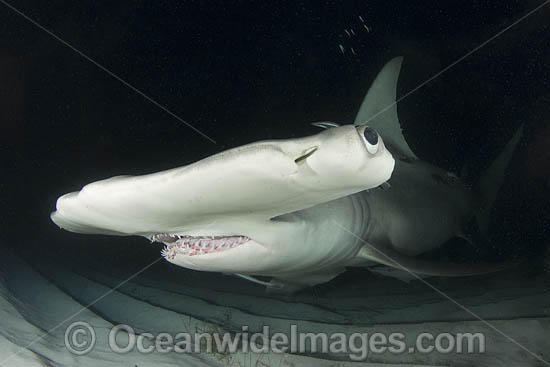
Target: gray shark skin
column 424, row 205
column 297, row 210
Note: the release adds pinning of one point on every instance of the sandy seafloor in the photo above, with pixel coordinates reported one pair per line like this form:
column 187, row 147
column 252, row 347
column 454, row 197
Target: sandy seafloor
column 40, row 294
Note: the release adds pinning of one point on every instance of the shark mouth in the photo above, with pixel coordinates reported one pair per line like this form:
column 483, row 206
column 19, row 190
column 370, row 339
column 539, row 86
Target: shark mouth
column 196, row 245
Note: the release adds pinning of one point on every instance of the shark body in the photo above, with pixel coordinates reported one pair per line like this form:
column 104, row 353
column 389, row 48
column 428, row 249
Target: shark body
column 297, row 210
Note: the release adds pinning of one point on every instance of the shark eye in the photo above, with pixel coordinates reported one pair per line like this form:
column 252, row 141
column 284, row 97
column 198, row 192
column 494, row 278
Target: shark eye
column 371, row 140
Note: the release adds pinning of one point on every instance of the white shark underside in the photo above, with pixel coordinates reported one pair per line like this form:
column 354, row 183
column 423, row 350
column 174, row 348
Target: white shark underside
column 296, row 210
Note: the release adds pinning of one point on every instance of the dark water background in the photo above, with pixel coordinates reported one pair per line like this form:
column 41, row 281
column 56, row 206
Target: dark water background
column 247, row 71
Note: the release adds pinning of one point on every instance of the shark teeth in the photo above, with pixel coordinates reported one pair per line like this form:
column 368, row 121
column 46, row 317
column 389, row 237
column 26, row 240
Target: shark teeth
column 165, row 237
column 193, row 246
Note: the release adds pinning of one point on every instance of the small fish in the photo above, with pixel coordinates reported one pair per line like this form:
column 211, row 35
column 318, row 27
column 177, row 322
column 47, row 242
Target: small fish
column 367, row 28
column 353, row 51
column 349, row 35
column 361, row 18
column 342, row 49
column 352, row 32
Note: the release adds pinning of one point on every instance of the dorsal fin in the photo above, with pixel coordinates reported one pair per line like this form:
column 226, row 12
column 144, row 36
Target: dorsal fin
column 379, row 108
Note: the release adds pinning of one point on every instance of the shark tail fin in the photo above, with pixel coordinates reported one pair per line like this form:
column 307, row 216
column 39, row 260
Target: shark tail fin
column 491, row 180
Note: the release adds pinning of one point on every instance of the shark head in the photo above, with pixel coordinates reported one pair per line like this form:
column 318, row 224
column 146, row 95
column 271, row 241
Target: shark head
column 212, row 214
column 335, row 163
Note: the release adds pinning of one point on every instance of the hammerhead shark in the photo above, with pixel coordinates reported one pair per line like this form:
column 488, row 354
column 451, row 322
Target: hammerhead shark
column 299, row 211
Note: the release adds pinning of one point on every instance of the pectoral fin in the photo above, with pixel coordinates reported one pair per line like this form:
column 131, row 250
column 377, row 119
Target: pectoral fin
column 387, row 256
column 295, row 282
